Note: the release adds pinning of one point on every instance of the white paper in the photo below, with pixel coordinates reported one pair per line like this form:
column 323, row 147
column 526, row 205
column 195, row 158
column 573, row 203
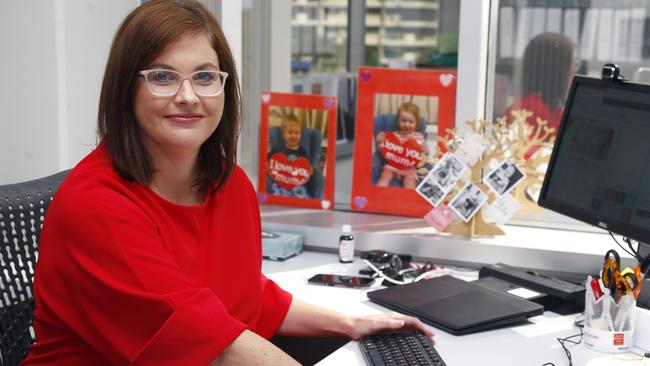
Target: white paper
column 605, row 37
column 589, row 34
column 554, row 20
column 635, row 39
column 523, row 31
column 545, row 325
column 523, row 292
column 501, row 210
column 471, row 149
column 621, row 34
column 506, row 32
column 571, row 26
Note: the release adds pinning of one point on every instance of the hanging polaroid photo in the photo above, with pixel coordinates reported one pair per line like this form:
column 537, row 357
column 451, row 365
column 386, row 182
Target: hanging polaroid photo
column 430, row 190
column 504, row 178
column 501, row 210
column 447, row 172
column 468, row 201
column 471, row 149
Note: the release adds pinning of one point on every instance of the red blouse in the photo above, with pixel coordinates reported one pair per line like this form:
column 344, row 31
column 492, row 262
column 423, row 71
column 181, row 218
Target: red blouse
column 533, row 103
column 125, row 277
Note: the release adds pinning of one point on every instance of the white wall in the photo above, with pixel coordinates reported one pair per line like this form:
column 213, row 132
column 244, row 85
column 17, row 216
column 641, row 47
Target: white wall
column 53, row 57
column 28, row 100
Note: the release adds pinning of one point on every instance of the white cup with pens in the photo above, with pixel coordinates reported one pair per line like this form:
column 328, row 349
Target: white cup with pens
column 610, row 307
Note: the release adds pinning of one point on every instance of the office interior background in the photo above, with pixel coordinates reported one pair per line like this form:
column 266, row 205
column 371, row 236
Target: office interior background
column 54, row 53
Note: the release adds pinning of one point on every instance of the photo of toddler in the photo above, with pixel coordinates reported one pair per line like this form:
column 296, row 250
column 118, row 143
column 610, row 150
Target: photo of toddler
column 402, row 149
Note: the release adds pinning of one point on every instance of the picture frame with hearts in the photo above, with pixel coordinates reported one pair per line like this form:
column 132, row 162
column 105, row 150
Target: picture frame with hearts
column 297, row 150
column 391, row 154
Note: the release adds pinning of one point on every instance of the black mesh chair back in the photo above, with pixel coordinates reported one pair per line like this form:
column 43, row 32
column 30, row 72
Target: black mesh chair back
column 22, row 211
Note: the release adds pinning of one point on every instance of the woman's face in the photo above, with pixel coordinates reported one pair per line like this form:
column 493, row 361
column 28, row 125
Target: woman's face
column 183, row 120
column 406, row 123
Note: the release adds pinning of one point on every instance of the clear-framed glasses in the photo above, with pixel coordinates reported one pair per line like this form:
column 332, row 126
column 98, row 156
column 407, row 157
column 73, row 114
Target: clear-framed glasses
column 164, row 82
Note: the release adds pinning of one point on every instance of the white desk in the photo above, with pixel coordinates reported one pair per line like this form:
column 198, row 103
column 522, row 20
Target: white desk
column 529, row 344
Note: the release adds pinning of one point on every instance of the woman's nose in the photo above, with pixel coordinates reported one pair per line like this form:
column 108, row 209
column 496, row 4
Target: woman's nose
column 186, row 93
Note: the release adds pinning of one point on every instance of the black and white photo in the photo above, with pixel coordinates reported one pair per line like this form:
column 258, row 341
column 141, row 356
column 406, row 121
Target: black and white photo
column 468, row 201
column 504, row 178
column 430, row 190
column 447, row 172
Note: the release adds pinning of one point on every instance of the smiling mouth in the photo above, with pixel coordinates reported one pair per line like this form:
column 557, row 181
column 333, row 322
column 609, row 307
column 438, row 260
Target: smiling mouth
column 184, row 118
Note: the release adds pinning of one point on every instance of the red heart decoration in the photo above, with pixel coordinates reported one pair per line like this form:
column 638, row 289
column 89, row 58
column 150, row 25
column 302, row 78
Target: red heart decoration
column 400, row 155
column 289, row 174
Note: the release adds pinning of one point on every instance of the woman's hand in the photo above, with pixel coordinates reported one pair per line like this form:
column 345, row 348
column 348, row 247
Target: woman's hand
column 386, row 322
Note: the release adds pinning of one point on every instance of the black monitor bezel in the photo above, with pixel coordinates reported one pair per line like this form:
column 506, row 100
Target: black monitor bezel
column 607, row 223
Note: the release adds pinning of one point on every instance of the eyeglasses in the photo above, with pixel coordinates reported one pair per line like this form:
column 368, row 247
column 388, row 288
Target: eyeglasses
column 164, row 83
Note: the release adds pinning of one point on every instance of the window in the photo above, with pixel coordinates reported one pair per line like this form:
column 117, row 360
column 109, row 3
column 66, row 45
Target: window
column 539, row 47
column 331, row 38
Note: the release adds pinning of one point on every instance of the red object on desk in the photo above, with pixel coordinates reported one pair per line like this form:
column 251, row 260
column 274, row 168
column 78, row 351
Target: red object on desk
column 595, row 286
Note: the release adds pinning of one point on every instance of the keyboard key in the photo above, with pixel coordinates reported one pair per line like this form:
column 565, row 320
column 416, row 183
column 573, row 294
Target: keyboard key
column 394, row 349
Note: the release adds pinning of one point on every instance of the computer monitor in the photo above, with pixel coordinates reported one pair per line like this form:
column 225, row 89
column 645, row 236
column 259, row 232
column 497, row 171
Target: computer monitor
column 599, row 172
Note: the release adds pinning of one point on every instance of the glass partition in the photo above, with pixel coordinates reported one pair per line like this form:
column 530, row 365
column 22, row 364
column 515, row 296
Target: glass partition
column 541, row 44
column 331, row 38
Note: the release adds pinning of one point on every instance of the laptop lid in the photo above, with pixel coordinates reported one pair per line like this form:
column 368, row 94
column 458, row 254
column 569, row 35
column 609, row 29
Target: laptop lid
column 456, row 306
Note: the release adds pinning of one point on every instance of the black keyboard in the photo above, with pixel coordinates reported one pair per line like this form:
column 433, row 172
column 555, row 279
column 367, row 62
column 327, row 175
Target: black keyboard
column 408, row 349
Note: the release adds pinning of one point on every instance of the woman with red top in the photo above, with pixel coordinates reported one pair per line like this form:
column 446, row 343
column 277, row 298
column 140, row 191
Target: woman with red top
column 150, row 253
column 549, row 64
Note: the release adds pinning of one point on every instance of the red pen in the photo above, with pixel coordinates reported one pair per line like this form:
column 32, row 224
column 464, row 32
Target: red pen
column 595, row 286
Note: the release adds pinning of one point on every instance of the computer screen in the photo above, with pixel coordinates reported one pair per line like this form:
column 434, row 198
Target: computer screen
column 599, row 171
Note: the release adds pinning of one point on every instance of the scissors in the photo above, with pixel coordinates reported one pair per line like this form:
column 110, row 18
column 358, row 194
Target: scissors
column 613, row 278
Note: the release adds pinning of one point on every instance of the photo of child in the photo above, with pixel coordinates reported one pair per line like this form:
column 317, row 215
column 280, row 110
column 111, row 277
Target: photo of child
column 289, row 166
column 447, row 171
column 402, row 149
column 504, row 178
column 468, row 201
column 431, row 191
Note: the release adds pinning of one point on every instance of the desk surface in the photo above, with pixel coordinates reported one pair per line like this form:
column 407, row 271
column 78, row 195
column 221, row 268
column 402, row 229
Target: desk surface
column 533, row 343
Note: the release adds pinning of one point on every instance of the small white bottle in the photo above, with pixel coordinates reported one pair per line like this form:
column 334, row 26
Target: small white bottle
column 346, row 245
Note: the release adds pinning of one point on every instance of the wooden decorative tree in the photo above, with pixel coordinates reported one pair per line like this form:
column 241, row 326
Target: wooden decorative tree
column 526, row 146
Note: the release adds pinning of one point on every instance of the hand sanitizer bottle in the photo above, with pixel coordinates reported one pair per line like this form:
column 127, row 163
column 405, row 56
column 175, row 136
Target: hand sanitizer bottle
column 346, row 245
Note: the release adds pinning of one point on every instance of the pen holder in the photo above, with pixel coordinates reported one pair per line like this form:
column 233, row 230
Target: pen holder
column 609, row 325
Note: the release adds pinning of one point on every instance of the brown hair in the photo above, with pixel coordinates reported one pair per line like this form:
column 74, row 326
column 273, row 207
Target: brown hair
column 411, row 108
column 546, row 64
column 289, row 119
column 143, row 35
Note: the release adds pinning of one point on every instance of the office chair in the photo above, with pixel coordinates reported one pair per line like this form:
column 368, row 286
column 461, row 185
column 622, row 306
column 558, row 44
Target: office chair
column 22, row 211
column 310, row 140
column 387, row 123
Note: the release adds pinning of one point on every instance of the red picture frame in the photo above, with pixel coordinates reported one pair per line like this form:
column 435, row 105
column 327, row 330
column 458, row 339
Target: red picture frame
column 281, row 180
column 440, row 85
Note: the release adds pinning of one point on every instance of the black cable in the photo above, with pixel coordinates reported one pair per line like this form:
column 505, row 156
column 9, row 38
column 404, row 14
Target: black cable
column 569, row 340
column 630, row 245
column 622, row 247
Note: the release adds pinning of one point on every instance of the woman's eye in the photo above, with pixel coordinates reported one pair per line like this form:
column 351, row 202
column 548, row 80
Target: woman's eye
column 204, row 77
column 162, row 76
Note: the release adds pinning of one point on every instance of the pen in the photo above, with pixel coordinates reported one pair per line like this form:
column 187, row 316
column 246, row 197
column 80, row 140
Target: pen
column 595, row 287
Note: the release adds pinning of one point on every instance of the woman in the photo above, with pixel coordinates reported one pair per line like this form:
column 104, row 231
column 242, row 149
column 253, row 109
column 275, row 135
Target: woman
column 549, row 65
column 150, row 253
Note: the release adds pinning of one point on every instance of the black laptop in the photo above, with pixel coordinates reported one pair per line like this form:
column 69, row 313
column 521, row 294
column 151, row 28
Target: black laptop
column 456, row 306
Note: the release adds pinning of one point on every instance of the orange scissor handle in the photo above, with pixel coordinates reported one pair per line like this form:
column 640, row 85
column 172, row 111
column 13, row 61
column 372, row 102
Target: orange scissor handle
column 639, row 277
